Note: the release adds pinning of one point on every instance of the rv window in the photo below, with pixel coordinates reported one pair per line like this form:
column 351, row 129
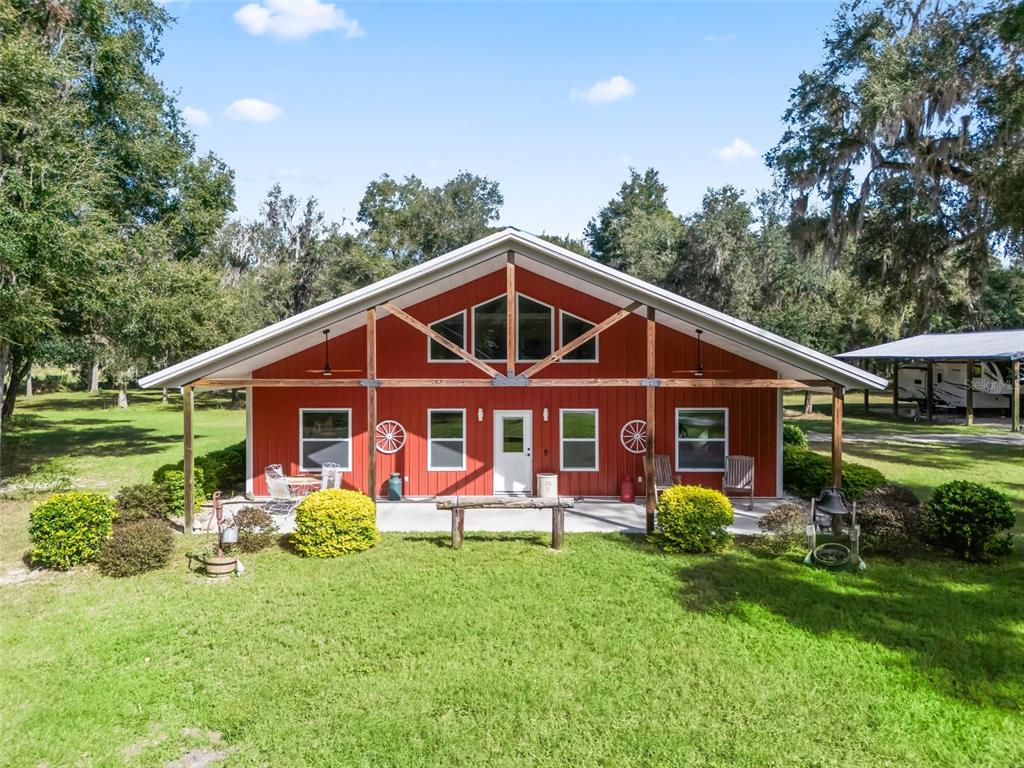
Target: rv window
column 938, row 378
column 917, row 381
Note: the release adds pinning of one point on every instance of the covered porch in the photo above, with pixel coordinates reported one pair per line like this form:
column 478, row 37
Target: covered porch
column 590, row 515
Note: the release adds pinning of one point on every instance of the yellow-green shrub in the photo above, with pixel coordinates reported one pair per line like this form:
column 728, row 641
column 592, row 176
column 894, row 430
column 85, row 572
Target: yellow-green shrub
column 693, row 519
column 68, row 528
column 335, row 522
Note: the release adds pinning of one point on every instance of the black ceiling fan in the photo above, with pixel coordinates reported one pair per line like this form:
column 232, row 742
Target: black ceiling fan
column 327, row 370
column 700, row 370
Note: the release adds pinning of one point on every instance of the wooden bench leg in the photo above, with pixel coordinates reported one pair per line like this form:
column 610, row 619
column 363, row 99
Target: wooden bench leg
column 458, row 526
column 557, row 527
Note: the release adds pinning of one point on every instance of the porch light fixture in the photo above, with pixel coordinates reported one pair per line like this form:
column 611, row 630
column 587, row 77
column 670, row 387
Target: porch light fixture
column 545, row 414
column 479, row 414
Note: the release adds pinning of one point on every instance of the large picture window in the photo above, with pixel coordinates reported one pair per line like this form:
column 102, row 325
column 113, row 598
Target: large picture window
column 446, row 439
column 489, row 329
column 701, row 439
column 573, row 327
column 325, row 434
column 536, row 329
column 578, row 433
column 452, row 328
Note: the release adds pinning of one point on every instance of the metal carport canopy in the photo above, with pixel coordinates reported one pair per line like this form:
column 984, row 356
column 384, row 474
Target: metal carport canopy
column 980, row 345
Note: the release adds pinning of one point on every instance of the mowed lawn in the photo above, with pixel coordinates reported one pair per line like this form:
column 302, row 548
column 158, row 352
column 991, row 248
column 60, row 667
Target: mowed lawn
column 503, row 653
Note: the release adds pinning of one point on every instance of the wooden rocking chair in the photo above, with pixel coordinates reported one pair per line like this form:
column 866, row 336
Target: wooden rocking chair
column 663, row 477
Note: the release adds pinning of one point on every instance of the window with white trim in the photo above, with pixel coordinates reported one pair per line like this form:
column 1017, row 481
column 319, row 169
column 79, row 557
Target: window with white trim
column 489, row 329
column 446, row 439
column 701, row 439
column 325, row 434
column 578, row 437
column 536, row 330
column 452, row 328
column 573, row 327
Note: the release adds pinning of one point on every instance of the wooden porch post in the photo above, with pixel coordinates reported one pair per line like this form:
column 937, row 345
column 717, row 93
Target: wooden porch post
column 837, row 436
column 651, row 491
column 930, row 391
column 895, row 390
column 970, row 393
column 189, row 462
column 867, row 400
column 510, row 315
column 1015, row 396
column 371, row 402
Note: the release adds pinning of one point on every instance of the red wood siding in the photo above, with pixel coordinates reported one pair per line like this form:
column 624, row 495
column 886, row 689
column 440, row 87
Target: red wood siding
column 402, row 353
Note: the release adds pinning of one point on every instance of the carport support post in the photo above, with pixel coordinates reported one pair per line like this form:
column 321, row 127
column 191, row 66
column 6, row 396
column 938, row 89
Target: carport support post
column 930, row 392
column 970, row 393
column 896, row 390
column 651, row 491
column 1015, row 396
column 189, row 462
column 837, row 437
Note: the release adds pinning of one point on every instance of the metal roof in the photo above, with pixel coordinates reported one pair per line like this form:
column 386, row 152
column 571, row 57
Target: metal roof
column 980, row 345
column 303, row 330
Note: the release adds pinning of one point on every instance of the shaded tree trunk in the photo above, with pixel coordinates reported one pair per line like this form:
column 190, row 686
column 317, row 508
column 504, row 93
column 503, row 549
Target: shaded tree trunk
column 94, row 377
column 808, row 402
column 122, row 396
column 19, row 367
column 163, row 396
column 28, row 385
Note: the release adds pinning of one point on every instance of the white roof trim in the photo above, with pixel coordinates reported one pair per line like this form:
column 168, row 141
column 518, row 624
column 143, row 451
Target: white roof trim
column 815, row 363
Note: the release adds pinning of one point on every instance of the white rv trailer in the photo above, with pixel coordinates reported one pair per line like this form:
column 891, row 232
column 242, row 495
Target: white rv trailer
column 949, row 385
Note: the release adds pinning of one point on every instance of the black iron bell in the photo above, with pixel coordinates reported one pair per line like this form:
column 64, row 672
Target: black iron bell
column 831, row 502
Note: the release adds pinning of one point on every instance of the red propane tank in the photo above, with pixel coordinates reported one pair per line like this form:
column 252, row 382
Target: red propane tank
column 627, row 489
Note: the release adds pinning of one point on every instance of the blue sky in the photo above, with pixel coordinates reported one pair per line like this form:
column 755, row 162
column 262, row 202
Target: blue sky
column 553, row 101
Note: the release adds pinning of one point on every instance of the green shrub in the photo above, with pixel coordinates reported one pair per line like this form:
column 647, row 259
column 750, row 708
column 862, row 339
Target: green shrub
column 806, row 473
column 335, row 522
column 693, row 519
column 890, row 520
column 139, row 502
column 970, row 520
column 256, row 529
column 136, row 548
column 173, row 483
column 223, row 469
column 793, row 435
column 68, row 528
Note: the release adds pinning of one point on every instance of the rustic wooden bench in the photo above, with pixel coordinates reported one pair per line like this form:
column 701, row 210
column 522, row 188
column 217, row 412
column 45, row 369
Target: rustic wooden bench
column 459, row 504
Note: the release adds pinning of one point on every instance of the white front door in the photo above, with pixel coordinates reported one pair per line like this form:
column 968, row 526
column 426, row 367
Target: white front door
column 513, row 452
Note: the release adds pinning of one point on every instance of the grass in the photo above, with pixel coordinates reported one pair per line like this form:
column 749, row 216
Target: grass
column 500, row 654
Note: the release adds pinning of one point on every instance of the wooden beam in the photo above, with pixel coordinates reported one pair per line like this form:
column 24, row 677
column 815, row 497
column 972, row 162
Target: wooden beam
column 511, row 352
column 189, row 460
column 579, row 341
column 1015, row 396
column 970, row 393
column 446, row 343
column 694, row 383
column 837, row 437
column 651, row 418
column 371, row 402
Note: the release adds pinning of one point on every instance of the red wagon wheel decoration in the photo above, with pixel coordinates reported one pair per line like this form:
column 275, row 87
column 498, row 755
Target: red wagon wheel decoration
column 634, row 436
column 390, row 436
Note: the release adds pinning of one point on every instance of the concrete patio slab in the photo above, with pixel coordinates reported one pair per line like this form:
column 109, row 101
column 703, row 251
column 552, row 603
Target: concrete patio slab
column 591, row 515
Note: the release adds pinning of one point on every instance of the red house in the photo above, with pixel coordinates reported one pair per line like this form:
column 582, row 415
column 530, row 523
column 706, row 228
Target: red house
column 508, row 357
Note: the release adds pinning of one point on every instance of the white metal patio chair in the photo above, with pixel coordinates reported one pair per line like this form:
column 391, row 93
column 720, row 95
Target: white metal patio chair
column 739, row 477
column 330, row 475
column 282, row 500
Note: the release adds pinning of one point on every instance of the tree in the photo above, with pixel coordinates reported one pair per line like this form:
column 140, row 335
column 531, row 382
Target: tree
column 913, row 125
column 408, row 222
column 636, row 232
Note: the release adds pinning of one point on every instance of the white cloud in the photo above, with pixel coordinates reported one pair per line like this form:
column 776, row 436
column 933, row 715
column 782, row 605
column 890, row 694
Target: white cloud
column 738, row 150
column 604, row 91
column 252, row 111
column 719, row 38
column 295, row 19
column 195, row 116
